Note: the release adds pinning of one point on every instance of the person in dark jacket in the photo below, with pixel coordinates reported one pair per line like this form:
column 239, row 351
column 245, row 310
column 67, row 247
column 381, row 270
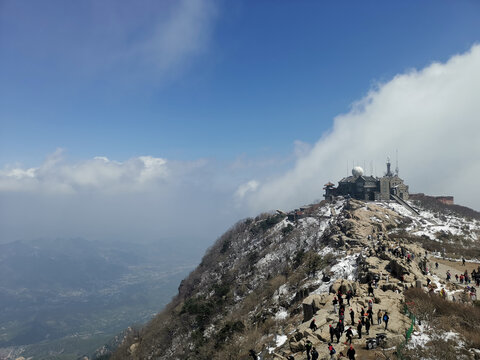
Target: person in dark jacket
column 332, row 332
column 370, row 289
column 349, row 334
column 340, row 326
column 314, row 354
column 385, row 319
column 338, row 334
column 313, row 326
column 308, row 348
column 352, row 316
column 351, row 353
column 359, row 329
column 370, row 315
column 367, row 327
column 349, row 296
column 362, row 316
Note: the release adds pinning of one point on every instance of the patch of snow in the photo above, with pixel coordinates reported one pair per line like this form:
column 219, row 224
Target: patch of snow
column 279, row 341
column 281, row 314
column 425, row 334
column 346, row 268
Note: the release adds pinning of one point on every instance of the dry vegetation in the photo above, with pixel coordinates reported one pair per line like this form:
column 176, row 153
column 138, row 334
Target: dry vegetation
column 443, row 315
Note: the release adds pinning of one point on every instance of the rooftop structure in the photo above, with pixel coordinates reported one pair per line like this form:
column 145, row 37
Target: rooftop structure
column 362, row 187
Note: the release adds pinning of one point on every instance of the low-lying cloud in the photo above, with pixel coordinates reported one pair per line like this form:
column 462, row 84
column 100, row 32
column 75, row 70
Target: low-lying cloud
column 142, row 198
column 431, row 116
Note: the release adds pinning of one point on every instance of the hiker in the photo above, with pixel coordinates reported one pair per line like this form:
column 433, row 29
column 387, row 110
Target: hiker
column 349, row 296
column 341, row 326
column 335, row 302
column 463, row 261
column 314, row 354
column 370, row 315
column 308, row 348
column 252, row 353
column 362, row 316
column 349, row 334
column 332, row 332
column 385, row 319
column 379, row 317
column 428, row 282
column 331, row 351
column 359, row 329
column 436, row 265
column 338, row 334
column 351, row 353
column 370, row 289
column 367, row 327
column 448, row 275
column 352, row 316
column 313, row 326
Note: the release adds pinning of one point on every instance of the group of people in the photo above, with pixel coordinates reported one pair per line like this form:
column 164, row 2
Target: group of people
column 467, row 278
column 366, row 320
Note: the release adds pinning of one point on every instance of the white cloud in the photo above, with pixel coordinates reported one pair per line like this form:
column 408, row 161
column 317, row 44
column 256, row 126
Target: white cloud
column 142, row 198
column 174, row 40
column 431, row 116
column 244, row 189
column 98, row 174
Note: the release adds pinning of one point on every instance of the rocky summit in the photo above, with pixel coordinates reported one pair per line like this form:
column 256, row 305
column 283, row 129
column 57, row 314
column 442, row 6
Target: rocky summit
column 273, row 287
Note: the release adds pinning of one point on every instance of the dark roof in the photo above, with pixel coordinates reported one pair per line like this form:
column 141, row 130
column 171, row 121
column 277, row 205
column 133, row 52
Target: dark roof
column 352, row 179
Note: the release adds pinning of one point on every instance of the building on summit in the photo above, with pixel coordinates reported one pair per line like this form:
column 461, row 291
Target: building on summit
column 361, row 187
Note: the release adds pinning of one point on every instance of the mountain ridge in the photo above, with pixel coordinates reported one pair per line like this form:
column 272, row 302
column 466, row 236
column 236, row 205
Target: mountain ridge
column 257, row 275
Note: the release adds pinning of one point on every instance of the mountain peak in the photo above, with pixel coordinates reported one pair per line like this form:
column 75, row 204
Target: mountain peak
column 261, row 284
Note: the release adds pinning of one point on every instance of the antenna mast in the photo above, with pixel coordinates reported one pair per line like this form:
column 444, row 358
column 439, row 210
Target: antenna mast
column 396, row 162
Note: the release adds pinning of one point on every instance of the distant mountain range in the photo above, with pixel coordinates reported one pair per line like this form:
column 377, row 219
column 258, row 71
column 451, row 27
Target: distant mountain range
column 66, row 297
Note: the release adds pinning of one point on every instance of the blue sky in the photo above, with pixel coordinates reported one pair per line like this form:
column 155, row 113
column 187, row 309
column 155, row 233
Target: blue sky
column 266, row 73
column 231, row 105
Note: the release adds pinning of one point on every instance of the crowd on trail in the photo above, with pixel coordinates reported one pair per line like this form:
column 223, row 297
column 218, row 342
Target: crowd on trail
column 340, row 327
column 365, row 321
column 466, row 279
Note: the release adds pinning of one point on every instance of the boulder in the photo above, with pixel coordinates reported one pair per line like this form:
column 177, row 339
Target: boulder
column 344, row 286
column 297, row 346
column 312, row 304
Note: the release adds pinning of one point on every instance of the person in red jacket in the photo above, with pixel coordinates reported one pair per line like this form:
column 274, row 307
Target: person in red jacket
column 331, row 351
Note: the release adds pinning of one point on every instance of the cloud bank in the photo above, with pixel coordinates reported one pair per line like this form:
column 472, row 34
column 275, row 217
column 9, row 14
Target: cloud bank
column 431, row 116
column 142, row 198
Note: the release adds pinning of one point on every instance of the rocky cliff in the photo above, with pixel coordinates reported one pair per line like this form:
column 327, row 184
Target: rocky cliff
column 261, row 284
